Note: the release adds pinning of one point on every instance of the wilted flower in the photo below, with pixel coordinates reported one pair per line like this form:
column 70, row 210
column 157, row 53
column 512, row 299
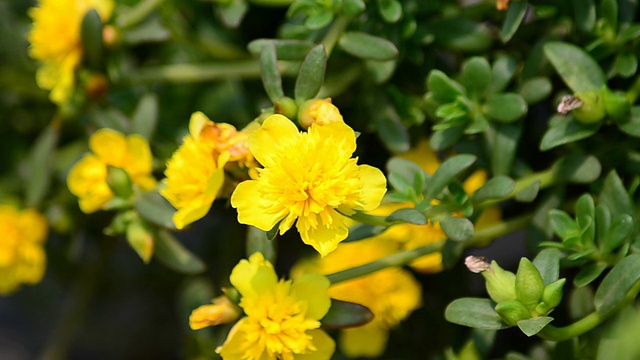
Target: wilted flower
column 22, row 257
column 88, row 177
column 56, row 41
column 391, row 294
column 309, row 177
column 282, row 319
column 318, row 111
column 222, row 311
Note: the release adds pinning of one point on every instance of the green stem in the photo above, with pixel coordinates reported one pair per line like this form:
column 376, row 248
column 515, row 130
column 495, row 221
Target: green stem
column 338, row 27
column 373, row 220
column 407, row 256
column 183, row 73
column 137, row 13
column 546, row 178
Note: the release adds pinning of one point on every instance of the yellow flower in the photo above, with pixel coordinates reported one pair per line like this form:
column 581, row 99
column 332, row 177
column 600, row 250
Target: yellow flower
column 391, row 294
column 502, row 5
column 88, row 177
column 195, row 172
column 22, row 257
column 318, row 111
column 283, row 317
column 309, row 177
column 222, row 311
column 55, row 41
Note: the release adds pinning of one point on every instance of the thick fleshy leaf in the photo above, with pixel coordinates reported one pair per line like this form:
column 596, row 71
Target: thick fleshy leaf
column 145, row 117
column 258, row 241
column 457, row 229
column 548, row 263
column 411, row 216
column 443, row 88
column 512, row 21
column 529, row 193
column 505, row 145
column 474, row 312
column 449, row 169
column 271, row 79
column 615, row 286
column 311, row 75
column 363, row 231
column 566, row 131
column 476, row 75
column 175, row 256
column 285, row 49
column 502, row 72
column 533, row 326
column 91, row 35
column 462, row 34
column 343, row 314
column 40, row 165
column 496, row 188
column 390, row 10
column 580, row 169
column 588, row 274
column 506, row 107
column 575, row 66
column 367, row 46
column 615, row 196
column 154, row 208
column 535, row 89
column 584, row 14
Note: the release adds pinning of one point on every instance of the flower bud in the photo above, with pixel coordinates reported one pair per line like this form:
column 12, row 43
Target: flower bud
column 552, row 294
column 286, row 106
column 318, row 111
column 529, row 284
column 119, row 182
column 512, row 311
column 499, row 282
column 592, row 109
column 616, row 103
column 140, row 238
column 222, row 311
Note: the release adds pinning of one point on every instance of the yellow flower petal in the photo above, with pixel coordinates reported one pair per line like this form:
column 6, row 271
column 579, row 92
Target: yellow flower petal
column 244, row 198
column 365, row 341
column 424, row 156
column 254, row 276
column 374, row 186
column 271, row 138
column 324, row 345
column 87, row 180
column 138, row 156
column 323, row 235
column 110, row 146
column 307, row 288
column 475, row 181
column 234, row 346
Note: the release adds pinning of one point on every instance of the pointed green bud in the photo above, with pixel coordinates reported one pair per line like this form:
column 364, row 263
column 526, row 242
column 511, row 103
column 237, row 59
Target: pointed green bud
column 592, row 109
column 119, row 182
column 499, row 282
column 512, row 311
column 616, row 103
column 552, row 294
column 529, row 284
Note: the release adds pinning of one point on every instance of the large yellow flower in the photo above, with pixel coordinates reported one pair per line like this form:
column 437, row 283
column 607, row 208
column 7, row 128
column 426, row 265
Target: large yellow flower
column 88, row 177
column 309, row 177
column 22, row 257
column 282, row 319
column 55, row 41
column 391, row 294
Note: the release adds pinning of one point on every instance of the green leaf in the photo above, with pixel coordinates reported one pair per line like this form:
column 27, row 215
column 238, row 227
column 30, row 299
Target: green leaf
column 626, row 64
column 584, row 12
column 575, row 66
column 152, row 30
column 363, row 231
column 293, row 50
column 512, row 21
column 175, row 256
column 343, row 314
column 406, row 169
column 40, row 164
column 311, row 74
column 535, row 89
column 631, row 126
column 505, row 145
column 271, row 76
column 588, row 274
column 258, row 241
column 506, row 107
column 154, row 208
column 609, row 13
column 365, row 46
column 319, row 20
column 390, row 10
column 603, row 223
column 476, row 75
column 91, row 37
column 381, row 71
column 615, row 286
column 461, row 34
column 353, row 7
column 110, row 118
column 579, row 169
column 140, row 237
column 474, row 312
column 619, row 232
column 548, row 263
column 457, row 229
column 496, row 188
column 502, row 72
column 444, row 89
column 614, row 195
column 585, row 208
column 533, row 326
column 529, row 193
column 390, row 128
column 408, row 215
column 443, row 139
column 145, row 117
column 566, row 130
column 233, row 12
column 446, row 172
column 563, row 224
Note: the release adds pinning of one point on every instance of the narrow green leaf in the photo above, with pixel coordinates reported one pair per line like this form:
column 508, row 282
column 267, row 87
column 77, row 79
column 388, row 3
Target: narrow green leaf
column 258, row 241
column 175, row 256
column 631, row 126
column 91, row 37
column 408, row 215
column 311, row 74
column 609, row 13
column 496, row 188
column 343, row 314
column 585, row 209
column 474, row 312
column 563, row 224
column 619, row 232
column 529, row 193
column 457, row 229
column 461, row 34
column 444, row 89
column 566, row 131
column 575, row 66
column 40, row 164
column 443, row 139
column 406, row 169
column 154, row 208
column 446, row 172
column 584, row 12
column 110, row 118
column 548, row 263
column 580, row 169
column 365, row 46
column 476, row 75
column 140, row 237
column 603, row 223
column 363, row 231
column 506, row 107
column 615, row 286
column 293, row 50
column 588, row 274
column 614, row 195
column 145, row 117
column 319, row 20
column 506, row 142
column 232, row 12
column 533, row 326
column 389, row 127
column 270, row 75
column 512, row 21
column 503, row 70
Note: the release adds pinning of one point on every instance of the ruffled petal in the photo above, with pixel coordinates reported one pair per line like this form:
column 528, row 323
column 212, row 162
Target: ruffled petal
column 268, row 141
column 234, row 346
column 245, row 198
column 314, row 289
column 323, row 237
column 190, row 214
column 338, row 134
column 374, row 186
column 324, row 344
column 139, row 157
column 109, row 146
column 254, row 276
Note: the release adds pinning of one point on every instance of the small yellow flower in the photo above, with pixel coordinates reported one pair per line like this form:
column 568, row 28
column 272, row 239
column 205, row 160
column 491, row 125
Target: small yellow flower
column 283, row 317
column 391, row 294
column 502, row 5
column 55, row 41
column 88, row 177
column 22, row 257
column 195, row 172
column 222, row 311
column 309, row 177
column 318, row 111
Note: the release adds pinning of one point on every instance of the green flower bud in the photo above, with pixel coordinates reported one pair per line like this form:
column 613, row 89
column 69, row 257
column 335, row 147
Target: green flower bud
column 616, row 103
column 287, row 107
column 119, row 182
column 140, row 237
column 529, row 284
column 592, row 109
column 512, row 311
column 499, row 282
column 552, row 294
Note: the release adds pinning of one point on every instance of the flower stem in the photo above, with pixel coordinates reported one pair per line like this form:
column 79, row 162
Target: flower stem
column 338, row 27
column 407, row 256
column 373, row 220
column 137, row 13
